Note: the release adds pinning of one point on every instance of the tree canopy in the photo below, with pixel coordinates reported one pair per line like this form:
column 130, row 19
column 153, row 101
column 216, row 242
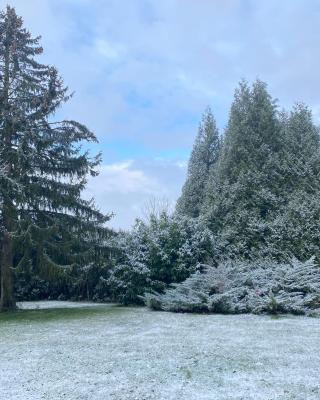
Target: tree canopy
column 259, row 199
column 43, row 215
column 203, row 158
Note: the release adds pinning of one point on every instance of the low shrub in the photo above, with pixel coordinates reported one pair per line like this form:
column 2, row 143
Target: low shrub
column 240, row 287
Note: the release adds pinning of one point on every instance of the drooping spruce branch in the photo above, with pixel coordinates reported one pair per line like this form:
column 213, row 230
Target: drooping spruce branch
column 46, row 169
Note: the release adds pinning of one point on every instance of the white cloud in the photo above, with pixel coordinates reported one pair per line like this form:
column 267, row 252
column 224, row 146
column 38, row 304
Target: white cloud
column 126, row 187
column 195, row 86
column 111, row 51
column 124, row 178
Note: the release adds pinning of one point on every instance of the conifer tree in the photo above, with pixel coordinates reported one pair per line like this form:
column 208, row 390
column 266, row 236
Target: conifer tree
column 301, row 150
column 204, row 155
column 296, row 224
column 42, row 211
column 247, row 179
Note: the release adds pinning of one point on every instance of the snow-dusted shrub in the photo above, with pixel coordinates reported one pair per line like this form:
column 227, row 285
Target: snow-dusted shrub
column 240, row 287
column 296, row 228
column 156, row 253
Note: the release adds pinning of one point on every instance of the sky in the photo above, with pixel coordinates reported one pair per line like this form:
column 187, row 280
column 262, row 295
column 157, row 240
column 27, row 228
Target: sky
column 143, row 71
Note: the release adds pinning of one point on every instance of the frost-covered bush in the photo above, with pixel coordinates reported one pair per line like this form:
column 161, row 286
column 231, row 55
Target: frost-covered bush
column 156, row 253
column 129, row 281
column 296, row 228
column 239, row 287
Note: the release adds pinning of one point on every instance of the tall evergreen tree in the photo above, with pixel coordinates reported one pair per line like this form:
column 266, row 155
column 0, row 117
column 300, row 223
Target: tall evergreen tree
column 301, row 150
column 296, row 224
column 204, row 155
column 40, row 195
column 247, row 179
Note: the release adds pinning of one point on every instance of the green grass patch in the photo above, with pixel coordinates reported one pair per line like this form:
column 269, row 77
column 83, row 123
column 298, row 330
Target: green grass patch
column 44, row 315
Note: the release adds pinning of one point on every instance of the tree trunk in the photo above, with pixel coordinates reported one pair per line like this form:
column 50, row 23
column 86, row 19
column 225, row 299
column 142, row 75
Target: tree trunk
column 7, row 301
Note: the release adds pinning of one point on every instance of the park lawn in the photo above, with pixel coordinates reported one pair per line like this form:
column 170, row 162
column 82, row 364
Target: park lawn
column 64, row 350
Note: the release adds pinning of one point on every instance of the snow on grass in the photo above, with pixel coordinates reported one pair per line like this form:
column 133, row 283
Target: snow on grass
column 102, row 352
column 35, row 305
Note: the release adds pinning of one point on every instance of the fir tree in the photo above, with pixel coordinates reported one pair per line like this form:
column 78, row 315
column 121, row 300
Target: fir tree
column 46, row 169
column 204, row 155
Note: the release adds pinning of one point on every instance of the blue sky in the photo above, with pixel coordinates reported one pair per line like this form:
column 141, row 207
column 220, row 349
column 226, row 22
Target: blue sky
column 143, row 71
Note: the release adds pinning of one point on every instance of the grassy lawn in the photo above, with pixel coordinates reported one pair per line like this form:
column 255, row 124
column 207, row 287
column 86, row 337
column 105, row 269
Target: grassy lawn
column 61, row 350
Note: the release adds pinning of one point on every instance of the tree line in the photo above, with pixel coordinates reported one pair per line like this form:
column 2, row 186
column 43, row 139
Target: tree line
column 252, row 197
column 257, row 184
column 249, row 206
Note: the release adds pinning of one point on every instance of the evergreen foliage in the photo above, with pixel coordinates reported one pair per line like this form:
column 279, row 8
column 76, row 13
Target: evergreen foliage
column 203, row 158
column 155, row 254
column 262, row 206
column 249, row 207
column 294, row 229
column 241, row 287
column 243, row 192
column 261, row 191
column 45, row 222
column 258, row 205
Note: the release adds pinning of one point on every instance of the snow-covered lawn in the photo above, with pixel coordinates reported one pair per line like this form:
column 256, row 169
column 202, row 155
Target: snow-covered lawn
column 48, row 305
column 102, row 352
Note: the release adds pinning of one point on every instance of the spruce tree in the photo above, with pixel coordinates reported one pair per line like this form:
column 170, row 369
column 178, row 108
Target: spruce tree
column 42, row 211
column 204, row 155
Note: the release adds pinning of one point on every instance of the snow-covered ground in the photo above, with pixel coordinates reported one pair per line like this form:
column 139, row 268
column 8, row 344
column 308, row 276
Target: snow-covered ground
column 106, row 352
column 48, row 305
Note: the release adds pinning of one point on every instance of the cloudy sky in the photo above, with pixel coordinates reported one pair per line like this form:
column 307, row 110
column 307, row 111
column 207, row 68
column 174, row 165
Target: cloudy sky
column 143, row 71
